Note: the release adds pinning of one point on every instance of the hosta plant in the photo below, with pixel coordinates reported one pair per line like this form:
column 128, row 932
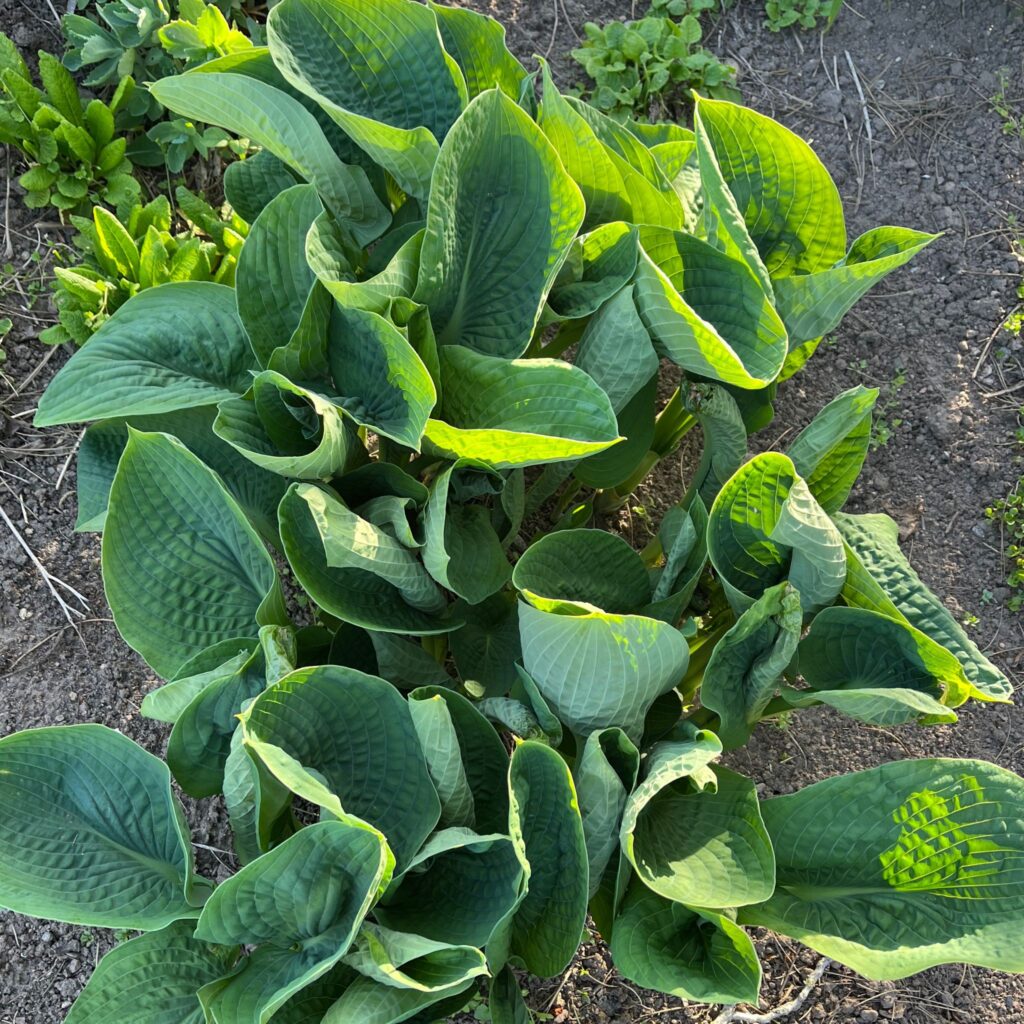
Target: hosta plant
column 463, row 731
column 122, row 258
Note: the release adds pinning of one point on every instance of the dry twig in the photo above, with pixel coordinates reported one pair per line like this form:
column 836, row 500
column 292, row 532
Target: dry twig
column 69, row 611
column 731, row 1014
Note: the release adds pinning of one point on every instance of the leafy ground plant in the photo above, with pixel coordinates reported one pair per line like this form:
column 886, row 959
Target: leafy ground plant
column 780, row 14
column 122, row 258
column 646, row 67
column 493, row 748
column 76, row 159
column 148, row 40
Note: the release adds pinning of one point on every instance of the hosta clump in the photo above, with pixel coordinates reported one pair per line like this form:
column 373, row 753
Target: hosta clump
column 370, row 402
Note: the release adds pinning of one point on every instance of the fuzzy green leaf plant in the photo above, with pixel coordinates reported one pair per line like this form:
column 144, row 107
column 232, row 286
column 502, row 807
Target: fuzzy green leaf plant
column 482, row 723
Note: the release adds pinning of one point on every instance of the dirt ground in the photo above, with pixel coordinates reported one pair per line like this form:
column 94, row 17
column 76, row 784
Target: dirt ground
column 935, row 159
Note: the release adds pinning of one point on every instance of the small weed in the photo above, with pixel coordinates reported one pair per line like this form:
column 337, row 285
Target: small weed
column 885, row 422
column 780, row 14
column 1008, row 512
column 1009, row 112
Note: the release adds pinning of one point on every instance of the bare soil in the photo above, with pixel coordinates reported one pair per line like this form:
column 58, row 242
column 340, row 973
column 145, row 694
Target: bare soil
column 929, row 337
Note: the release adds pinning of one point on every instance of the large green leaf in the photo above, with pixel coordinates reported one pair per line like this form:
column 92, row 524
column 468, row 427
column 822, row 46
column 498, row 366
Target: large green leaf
column 693, row 833
column 766, row 526
column 154, row 978
column 829, row 452
column 92, row 833
column 250, row 184
column 272, row 279
column 523, row 412
column 725, row 439
column 173, row 347
column 256, row 801
column 355, row 733
column 301, row 906
column 746, row 665
column 605, row 776
column 544, row 822
column 706, row 311
column 440, row 744
column 381, row 73
column 288, row 429
column 382, row 382
column 477, row 42
column 616, row 351
column 597, row 669
column 787, row 200
column 182, row 567
column 457, row 889
column 257, row 491
column 356, row 570
column 693, row 954
column 812, row 304
column 329, row 254
column 600, row 263
column 591, row 567
column 905, row 674
column 612, row 189
column 200, row 741
column 221, row 661
column 886, row 578
column 279, row 123
column 404, row 960
column 489, row 257
column 487, row 647
column 484, row 759
column 902, row 867
column 462, row 551
column 682, row 536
